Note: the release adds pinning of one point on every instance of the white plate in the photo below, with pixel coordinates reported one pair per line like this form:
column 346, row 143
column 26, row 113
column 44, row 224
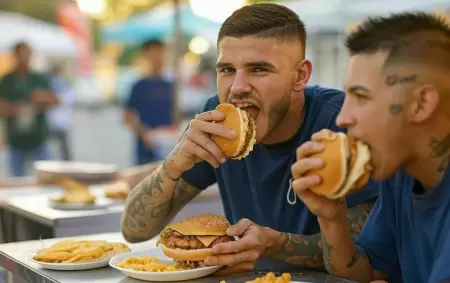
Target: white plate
column 160, row 276
column 100, row 203
column 70, row 266
column 81, row 171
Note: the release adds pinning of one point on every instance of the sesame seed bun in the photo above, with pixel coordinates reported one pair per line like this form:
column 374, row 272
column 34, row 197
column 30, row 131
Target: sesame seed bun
column 202, row 225
column 244, row 126
column 346, row 166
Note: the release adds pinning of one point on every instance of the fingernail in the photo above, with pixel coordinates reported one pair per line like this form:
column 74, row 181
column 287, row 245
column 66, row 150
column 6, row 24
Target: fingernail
column 223, row 159
column 232, row 134
column 320, row 146
column 317, row 179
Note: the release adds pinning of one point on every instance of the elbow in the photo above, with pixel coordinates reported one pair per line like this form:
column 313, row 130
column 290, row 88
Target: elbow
column 130, row 238
column 133, row 234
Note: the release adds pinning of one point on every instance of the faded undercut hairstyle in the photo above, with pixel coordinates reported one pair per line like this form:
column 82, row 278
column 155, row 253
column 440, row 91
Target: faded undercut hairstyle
column 421, row 39
column 265, row 20
column 406, row 37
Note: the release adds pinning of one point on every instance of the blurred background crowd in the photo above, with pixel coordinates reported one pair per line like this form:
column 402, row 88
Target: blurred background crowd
column 89, row 64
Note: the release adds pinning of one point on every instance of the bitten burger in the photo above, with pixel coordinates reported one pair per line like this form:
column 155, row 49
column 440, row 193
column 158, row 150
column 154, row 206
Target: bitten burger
column 190, row 241
column 245, row 128
column 346, row 167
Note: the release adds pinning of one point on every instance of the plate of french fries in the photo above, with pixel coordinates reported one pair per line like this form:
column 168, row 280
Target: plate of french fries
column 77, row 254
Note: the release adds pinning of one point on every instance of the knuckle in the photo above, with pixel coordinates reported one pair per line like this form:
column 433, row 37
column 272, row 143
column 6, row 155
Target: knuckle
column 245, row 222
column 190, row 134
column 194, row 123
column 294, row 169
column 203, row 155
column 254, row 255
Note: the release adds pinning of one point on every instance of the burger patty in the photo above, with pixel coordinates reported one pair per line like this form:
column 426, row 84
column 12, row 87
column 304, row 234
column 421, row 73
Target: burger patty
column 172, row 239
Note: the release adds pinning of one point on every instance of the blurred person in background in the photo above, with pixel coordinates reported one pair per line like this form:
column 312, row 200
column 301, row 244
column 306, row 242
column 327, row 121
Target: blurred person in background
column 25, row 96
column 60, row 118
column 149, row 105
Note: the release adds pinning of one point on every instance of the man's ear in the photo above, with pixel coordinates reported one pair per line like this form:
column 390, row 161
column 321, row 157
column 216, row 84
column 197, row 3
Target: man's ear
column 302, row 75
column 423, row 104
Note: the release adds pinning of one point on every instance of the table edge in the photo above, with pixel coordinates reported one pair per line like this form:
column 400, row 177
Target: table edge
column 45, row 278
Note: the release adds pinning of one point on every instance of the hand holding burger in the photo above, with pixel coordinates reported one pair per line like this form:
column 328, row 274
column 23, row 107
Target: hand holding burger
column 213, row 136
column 241, row 255
column 328, row 168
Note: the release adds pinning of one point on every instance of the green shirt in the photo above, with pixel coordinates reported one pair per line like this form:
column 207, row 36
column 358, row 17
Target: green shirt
column 17, row 89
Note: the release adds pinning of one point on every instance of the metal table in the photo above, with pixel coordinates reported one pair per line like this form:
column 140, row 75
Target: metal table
column 14, row 258
column 30, row 217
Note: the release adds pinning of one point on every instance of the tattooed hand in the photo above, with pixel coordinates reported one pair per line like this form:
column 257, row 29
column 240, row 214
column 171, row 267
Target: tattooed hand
column 196, row 146
column 254, row 241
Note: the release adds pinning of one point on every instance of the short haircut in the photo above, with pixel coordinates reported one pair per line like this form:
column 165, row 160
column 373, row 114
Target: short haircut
column 420, row 37
column 19, row 45
column 152, row 43
column 264, row 20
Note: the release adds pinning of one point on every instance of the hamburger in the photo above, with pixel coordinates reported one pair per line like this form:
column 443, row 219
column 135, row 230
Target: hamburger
column 244, row 126
column 346, row 166
column 190, row 241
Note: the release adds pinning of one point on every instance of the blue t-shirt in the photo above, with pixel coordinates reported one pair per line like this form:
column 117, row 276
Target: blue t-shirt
column 151, row 99
column 256, row 187
column 407, row 235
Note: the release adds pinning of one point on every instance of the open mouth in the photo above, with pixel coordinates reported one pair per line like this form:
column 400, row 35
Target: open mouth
column 251, row 109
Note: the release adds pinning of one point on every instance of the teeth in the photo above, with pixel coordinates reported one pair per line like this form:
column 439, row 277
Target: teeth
column 242, row 105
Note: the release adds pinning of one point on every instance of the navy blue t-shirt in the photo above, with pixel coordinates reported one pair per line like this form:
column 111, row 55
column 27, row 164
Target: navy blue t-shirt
column 407, row 235
column 151, row 99
column 256, row 187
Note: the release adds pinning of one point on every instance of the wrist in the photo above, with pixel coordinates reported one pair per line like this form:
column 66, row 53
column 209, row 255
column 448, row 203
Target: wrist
column 276, row 239
column 170, row 168
column 335, row 231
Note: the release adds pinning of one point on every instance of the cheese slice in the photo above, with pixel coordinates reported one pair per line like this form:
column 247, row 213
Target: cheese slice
column 207, row 240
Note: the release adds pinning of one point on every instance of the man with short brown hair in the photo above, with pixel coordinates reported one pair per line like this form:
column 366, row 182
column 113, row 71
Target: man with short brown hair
column 262, row 69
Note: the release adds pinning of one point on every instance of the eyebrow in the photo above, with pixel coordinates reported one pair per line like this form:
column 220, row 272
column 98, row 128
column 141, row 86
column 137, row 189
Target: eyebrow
column 358, row 88
column 265, row 64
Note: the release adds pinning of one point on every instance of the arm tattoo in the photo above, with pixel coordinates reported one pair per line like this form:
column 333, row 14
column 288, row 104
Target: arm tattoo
column 150, row 207
column 440, row 149
column 306, row 250
column 327, row 256
column 357, row 218
column 136, row 175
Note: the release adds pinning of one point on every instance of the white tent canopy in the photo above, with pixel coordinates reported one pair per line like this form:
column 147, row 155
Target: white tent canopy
column 45, row 38
column 338, row 14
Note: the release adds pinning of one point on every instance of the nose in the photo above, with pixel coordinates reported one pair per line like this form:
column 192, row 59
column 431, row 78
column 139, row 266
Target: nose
column 240, row 83
column 344, row 119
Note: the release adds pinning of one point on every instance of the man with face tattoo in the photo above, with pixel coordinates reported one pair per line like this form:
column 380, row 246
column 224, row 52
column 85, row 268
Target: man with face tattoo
column 261, row 68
